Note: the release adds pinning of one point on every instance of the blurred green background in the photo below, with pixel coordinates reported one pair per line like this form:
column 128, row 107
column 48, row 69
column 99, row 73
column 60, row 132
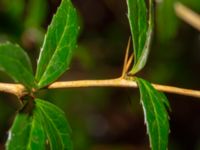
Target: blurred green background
column 110, row 118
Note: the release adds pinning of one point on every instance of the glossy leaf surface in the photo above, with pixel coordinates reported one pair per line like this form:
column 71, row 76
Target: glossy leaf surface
column 45, row 128
column 156, row 115
column 27, row 133
column 56, row 126
column 58, row 44
column 16, row 63
column 141, row 30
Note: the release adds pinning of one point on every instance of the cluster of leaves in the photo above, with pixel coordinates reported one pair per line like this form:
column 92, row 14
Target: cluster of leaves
column 44, row 126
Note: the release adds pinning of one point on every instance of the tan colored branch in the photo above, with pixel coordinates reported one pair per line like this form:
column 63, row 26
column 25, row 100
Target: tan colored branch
column 16, row 89
column 177, row 90
column 187, row 15
column 119, row 82
column 19, row 90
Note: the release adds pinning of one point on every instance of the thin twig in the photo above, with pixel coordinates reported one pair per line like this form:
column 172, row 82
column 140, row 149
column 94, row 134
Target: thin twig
column 118, row 82
column 16, row 89
column 187, row 15
column 122, row 83
column 177, row 90
column 19, row 90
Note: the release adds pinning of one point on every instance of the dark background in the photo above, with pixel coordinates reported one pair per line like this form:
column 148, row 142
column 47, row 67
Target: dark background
column 110, row 118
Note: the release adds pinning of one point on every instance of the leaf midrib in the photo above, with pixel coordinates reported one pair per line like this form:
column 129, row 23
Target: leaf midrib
column 156, row 114
column 50, row 120
column 58, row 45
column 31, row 130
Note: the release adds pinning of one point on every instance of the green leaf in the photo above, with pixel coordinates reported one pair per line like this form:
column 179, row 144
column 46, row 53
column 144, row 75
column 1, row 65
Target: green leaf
column 59, row 42
column 156, row 115
column 45, row 128
column 56, row 126
column 141, row 30
column 16, row 63
column 27, row 133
